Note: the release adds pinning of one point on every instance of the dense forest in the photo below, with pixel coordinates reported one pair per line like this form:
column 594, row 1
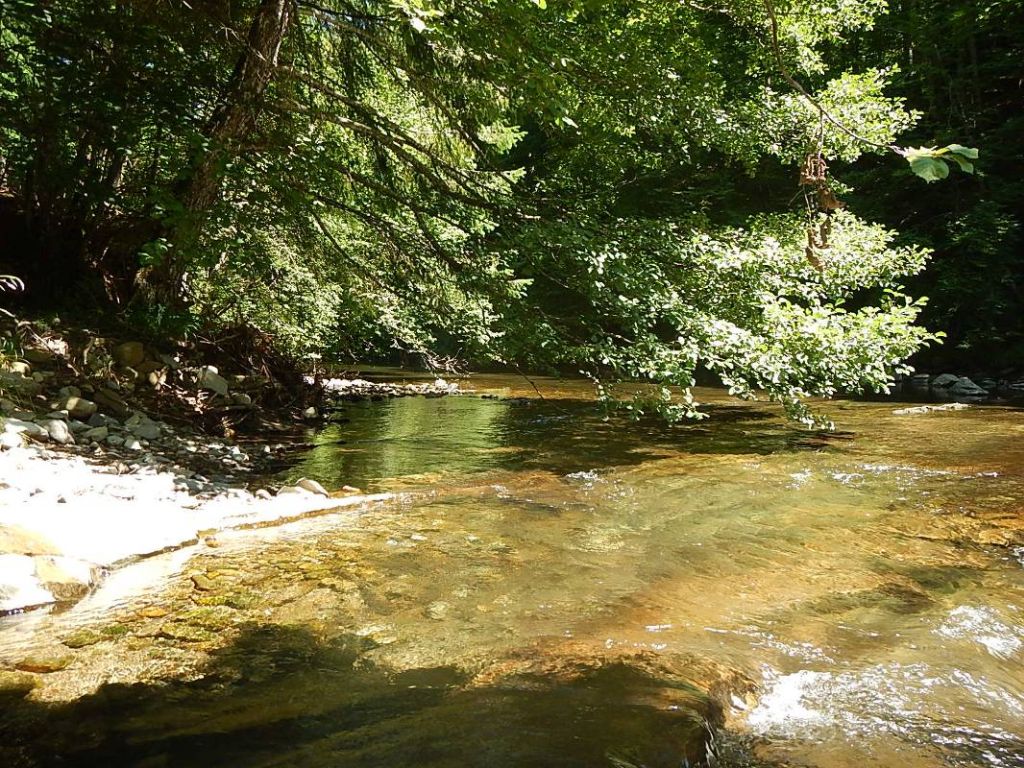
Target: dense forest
column 760, row 189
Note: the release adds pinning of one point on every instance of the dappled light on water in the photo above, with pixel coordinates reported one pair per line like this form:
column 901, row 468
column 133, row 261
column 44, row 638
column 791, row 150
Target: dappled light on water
column 556, row 588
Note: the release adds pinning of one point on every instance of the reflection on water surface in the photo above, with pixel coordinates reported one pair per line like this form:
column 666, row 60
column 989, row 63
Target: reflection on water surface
column 553, row 588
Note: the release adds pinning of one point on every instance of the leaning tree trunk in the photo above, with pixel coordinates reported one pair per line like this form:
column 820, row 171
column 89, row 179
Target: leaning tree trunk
column 232, row 122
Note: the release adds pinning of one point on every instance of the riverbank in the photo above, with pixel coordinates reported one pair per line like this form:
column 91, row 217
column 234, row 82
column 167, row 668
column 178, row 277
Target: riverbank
column 111, row 451
column 65, row 521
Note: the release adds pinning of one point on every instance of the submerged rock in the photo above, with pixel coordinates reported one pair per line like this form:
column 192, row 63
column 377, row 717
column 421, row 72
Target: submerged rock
column 188, row 633
column 16, row 685
column 82, row 639
column 43, row 664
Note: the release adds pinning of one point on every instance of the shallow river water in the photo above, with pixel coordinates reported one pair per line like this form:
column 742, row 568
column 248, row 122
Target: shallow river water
column 551, row 588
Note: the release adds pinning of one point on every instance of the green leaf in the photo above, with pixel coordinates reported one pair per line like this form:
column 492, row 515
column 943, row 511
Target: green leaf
column 927, row 167
column 970, row 153
column 965, row 165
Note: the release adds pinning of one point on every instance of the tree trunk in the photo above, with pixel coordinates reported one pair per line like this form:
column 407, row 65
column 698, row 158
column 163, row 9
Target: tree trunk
column 232, row 122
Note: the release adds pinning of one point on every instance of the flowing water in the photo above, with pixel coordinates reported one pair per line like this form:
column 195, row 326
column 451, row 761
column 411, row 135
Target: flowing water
column 551, row 588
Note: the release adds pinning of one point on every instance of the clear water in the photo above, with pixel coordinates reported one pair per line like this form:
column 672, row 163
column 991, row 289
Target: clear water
column 553, row 588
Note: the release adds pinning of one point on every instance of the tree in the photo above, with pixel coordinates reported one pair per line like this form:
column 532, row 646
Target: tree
column 563, row 183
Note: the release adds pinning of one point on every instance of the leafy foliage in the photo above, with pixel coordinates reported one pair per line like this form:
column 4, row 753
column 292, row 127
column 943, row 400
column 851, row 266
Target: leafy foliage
column 564, row 184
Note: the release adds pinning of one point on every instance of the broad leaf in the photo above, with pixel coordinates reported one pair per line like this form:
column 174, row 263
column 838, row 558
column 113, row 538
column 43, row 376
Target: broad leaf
column 927, row 167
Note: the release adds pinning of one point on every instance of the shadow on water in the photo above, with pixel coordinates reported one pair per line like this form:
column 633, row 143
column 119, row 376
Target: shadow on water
column 465, row 435
column 285, row 696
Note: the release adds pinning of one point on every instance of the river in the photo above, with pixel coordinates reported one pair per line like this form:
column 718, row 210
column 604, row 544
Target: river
column 550, row 587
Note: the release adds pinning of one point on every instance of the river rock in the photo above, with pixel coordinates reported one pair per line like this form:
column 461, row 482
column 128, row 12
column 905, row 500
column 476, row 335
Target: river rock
column 43, row 664
column 20, row 385
column 79, row 407
column 39, row 356
column 110, row 402
column 18, row 367
column 210, row 379
column 286, row 490
column 11, row 440
column 58, row 431
column 129, row 354
column 16, row 685
column 187, row 633
column 66, row 578
column 203, row 583
column 143, row 427
column 312, row 486
column 99, row 434
column 69, row 391
column 82, row 638
column 102, row 420
column 917, row 409
column 945, row 380
column 147, row 367
column 964, row 387
column 27, row 428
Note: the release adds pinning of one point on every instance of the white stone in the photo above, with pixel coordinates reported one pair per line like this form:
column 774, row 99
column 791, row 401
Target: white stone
column 28, row 428
column 312, row 486
column 210, row 379
column 58, row 431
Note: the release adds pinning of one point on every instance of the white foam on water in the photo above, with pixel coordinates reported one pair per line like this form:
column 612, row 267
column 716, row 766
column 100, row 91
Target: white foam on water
column 984, row 626
column 800, row 478
column 785, row 706
column 914, row 703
